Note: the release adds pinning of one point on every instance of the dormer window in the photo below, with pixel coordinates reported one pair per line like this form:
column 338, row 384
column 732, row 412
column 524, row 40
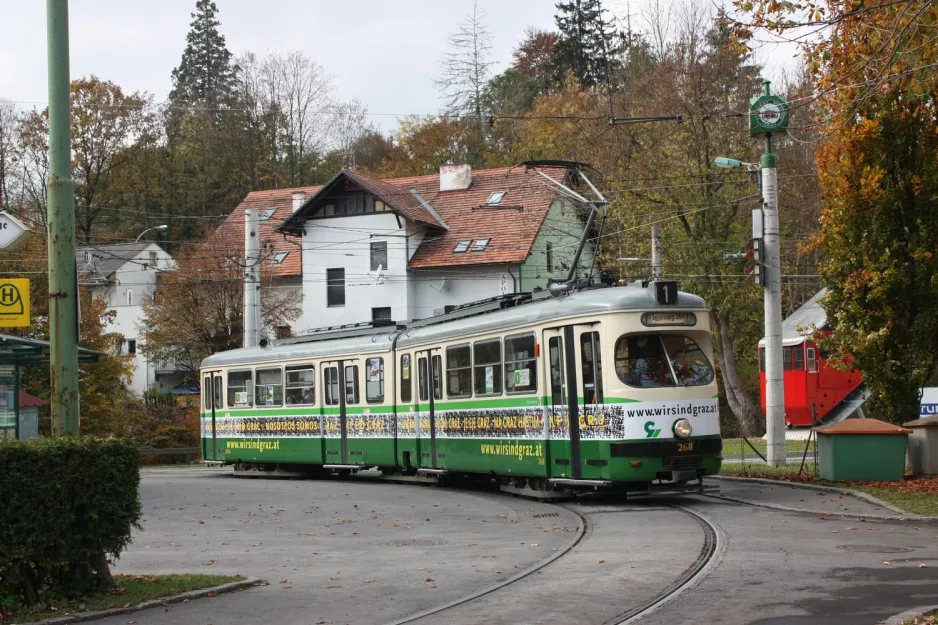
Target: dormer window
column 496, row 198
column 462, row 247
column 279, row 257
column 268, row 213
column 480, row 245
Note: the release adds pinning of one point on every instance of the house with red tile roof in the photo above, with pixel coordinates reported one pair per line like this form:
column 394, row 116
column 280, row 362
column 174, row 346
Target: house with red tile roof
column 407, row 248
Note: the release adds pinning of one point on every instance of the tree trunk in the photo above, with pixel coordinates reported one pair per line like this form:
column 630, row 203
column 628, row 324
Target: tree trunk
column 736, row 394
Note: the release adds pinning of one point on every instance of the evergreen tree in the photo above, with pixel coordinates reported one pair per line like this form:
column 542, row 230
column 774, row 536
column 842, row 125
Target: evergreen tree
column 206, row 76
column 589, row 43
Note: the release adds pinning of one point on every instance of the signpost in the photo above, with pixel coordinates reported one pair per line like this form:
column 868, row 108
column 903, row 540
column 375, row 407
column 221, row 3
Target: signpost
column 12, row 232
column 14, row 303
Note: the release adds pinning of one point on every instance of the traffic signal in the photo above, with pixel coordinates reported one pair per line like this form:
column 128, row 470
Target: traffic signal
column 756, row 259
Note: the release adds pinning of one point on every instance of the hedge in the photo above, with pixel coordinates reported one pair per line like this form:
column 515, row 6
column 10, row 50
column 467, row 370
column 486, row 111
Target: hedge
column 69, row 505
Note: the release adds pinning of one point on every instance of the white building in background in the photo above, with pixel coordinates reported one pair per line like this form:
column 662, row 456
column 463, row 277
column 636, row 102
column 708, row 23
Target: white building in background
column 408, row 248
column 123, row 275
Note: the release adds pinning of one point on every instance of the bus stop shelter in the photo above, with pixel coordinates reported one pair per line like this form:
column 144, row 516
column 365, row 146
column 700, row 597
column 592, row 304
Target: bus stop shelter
column 16, row 351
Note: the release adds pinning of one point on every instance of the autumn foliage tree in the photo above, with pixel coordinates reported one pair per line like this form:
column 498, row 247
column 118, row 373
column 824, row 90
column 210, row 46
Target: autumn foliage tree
column 875, row 75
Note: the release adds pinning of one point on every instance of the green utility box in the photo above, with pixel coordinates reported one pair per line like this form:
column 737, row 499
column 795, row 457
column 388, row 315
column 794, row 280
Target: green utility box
column 923, row 445
column 862, row 450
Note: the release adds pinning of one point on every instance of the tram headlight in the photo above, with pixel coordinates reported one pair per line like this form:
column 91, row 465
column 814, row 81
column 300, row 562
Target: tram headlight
column 682, row 428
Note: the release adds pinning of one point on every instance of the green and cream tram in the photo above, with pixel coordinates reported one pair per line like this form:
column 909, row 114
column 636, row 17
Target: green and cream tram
column 600, row 387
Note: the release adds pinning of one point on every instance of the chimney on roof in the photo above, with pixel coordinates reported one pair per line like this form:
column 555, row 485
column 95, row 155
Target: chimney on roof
column 455, row 177
column 298, row 198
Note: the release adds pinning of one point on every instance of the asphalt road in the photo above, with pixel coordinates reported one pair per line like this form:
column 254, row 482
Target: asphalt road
column 375, row 553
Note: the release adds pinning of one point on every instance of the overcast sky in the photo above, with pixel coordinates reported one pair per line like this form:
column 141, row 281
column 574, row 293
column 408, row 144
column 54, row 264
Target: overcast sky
column 384, row 52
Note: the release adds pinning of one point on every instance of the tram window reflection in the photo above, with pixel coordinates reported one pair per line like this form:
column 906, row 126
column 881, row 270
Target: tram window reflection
column 374, row 383
column 520, row 364
column 488, row 367
column 661, row 360
column 458, row 372
column 269, row 388
column 240, row 389
column 301, row 386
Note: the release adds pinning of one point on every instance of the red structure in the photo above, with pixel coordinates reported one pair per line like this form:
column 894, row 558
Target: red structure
column 813, row 390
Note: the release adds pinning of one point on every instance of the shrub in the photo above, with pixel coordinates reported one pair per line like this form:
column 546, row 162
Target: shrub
column 69, row 506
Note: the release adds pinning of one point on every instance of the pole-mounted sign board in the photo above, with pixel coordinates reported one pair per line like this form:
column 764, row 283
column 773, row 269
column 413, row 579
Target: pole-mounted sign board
column 768, row 114
column 14, row 303
column 12, row 232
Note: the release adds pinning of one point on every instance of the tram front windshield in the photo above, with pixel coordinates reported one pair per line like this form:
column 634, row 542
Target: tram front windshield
column 661, row 361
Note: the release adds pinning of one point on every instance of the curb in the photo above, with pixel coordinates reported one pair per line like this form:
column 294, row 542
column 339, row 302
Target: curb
column 905, row 516
column 898, row 618
column 81, row 617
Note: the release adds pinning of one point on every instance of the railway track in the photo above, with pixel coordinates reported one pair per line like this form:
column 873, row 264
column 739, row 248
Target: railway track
column 709, row 556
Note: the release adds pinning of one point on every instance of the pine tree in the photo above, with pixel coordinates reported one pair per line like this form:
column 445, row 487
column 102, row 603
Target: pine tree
column 206, row 77
column 589, row 44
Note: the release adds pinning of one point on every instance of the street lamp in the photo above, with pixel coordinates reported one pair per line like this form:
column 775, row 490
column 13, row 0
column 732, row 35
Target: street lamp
column 730, row 163
column 160, row 227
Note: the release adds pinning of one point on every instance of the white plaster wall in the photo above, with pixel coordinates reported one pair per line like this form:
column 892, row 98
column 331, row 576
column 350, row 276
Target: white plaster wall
column 344, row 242
column 435, row 289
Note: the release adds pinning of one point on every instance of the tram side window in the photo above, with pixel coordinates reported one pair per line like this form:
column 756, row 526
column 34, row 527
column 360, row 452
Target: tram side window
column 240, row 389
column 557, row 381
column 520, row 364
column 488, row 367
column 437, row 365
column 351, row 384
column 786, row 358
column 374, row 385
column 207, row 394
column 406, row 380
column 660, row 361
column 301, row 385
column 812, row 361
column 458, row 372
column 798, row 353
column 269, row 389
column 218, row 392
column 330, row 382
column 590, row 354
column 422, row 382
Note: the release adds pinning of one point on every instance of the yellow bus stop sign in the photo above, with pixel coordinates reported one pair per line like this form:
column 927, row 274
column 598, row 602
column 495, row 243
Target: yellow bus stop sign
column 14, row 303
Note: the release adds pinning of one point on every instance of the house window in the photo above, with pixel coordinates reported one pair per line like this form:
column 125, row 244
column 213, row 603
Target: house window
column 268, row 213
column 131, row 346
column 153, row 260
column 480, row 245
column 381, row 314
column 130, row 297
column 798, row 352
column 812, row 362
column 328, row 210
column 786, row 358
column 283, row 332
column 379, row 255
column 496, row 198
column 550, row 257
column 462, row 247
column 335, row 287
column 279, row 257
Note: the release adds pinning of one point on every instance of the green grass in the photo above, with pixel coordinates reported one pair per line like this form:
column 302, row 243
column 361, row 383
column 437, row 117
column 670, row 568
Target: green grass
column 733, row 446
column 916, row 503
column 130, row 590
column 786, row 471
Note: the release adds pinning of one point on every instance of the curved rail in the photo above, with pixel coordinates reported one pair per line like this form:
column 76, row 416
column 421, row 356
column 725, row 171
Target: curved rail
column 583, row 531
column 710, row 555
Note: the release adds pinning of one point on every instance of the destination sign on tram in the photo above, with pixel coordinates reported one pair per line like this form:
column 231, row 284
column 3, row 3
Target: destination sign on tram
column 669, row 319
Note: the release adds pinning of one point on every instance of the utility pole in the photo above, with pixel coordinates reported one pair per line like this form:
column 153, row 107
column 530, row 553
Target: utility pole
column 252, row 283
column 655, row 252
column 63, row 291
column 768, row 116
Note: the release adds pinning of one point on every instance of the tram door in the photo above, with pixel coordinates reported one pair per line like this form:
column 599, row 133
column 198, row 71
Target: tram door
column 572, row 360
column 429, row 391
column 335, row 429
column 212, row 405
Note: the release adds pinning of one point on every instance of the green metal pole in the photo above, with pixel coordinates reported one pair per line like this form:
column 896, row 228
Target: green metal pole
column 63, row 330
